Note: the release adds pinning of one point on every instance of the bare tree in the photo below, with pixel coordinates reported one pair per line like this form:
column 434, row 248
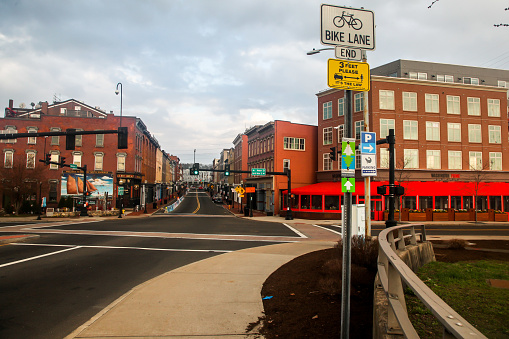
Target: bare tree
column 402, row 176
column 478, row 175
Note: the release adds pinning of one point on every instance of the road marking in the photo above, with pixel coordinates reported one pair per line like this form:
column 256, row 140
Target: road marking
column 197, row 208
column 128, row 248
column 39, row 256
column 296, row 231
column 328, row 229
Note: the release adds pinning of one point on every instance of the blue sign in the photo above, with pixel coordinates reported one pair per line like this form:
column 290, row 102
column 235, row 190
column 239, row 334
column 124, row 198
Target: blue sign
column 368, row 142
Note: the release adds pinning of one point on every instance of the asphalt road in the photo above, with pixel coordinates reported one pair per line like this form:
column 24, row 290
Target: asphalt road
column 53, row 284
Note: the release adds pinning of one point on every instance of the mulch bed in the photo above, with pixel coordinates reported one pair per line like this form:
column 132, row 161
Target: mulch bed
column 306, row 293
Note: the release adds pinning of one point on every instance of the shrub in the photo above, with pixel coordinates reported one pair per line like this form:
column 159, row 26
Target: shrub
column 26, row 207
column 457, row 244
column 364, row 251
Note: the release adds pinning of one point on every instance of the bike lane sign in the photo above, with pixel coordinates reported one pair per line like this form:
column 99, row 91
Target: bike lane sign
column 348, row 75
column 348, row 27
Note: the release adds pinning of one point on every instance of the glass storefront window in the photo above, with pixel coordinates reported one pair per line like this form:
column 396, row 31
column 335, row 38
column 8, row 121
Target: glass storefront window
column 332, row 203
column 481, row 203
column 442, row 202
column 496, row 202
column 304, row 202
column 316, row 202
column 456, row 202
column 467, row 202
column 425, row 202
column 410, row 202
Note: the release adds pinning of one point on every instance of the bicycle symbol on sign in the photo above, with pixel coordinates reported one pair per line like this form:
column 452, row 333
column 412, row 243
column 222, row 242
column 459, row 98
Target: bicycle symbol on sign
column 352, row 22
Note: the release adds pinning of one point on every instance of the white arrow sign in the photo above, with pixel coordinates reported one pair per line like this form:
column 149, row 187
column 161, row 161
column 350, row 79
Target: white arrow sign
column 369, row 147
column 348, row 185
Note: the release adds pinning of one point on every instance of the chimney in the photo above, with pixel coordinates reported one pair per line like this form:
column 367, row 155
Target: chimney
column 44, row 108
column 11, row 103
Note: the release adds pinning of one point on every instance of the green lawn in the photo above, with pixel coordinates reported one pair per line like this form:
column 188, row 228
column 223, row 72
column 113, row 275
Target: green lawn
column 464, row 286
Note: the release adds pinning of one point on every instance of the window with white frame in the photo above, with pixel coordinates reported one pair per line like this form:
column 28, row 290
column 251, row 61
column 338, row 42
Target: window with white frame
column 493, row 107
column 453, row 104
column 99, row 160
column 411, row 158
column 433, row 159
column 385, row 126
column 431, row 103
column 502, row 83
column 358, row 158
column 475, row 160
column 474, row 106
column 418, row 75
column 410, row 130
column 410, row 101
column 121, row 162
column 472, row 81
column 496, row 161
column 455, row 160
column 286, row 164
column 327, row 136
column 359, row 126
column 9, row 130
column 54, row 158
column 341, row 132
column 79, row 139
column 341, row 107
column 63, row 111
column 327, row 110
column 55, row 140
column 294, row 143
column 76, row 158
column 327, row 162
column 359, row 102
column 454, row 131
column 495, row 134
column 384, row 157
column 433, row 130
column 31, row 159
column 445, row 78
column 99, row 140
column 386, row 99
column 8, row 158
column 32, row 140
column 474, row 133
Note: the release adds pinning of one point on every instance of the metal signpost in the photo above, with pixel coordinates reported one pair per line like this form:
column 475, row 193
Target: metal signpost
column 368, row 154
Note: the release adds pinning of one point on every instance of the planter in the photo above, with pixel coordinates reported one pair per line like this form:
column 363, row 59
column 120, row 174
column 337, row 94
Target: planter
column 396, row 216
column 462, row 216
column 482, row 216
column 440, row 216
column 417, row 216
column 501, row 217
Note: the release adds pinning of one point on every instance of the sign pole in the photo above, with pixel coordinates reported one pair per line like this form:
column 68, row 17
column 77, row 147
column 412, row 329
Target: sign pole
column 347, row 233
column 367, row 179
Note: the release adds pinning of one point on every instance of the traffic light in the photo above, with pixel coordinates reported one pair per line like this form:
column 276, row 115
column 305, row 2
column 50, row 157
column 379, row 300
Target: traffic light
column 227, row 170
column 48, row 158
column 87, row 193
column 195, row 170
column 122, row 138
column 70, row 139
column 333, row 153
column 62, row 161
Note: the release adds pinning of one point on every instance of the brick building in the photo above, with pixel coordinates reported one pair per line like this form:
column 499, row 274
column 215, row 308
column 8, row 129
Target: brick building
column 108, row 168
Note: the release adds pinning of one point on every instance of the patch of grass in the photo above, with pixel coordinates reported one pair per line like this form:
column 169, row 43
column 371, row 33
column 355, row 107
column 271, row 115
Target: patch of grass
column 464, row 287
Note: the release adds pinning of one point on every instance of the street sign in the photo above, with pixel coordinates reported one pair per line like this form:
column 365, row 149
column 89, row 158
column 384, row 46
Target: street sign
column 347, row 185
column 73, row 166
column 348, row 27
column 258, row 171
column 250, row 189
column 368, row 143
column 348, row 157
column 368, row 165
column 120, row 190
column 348, row 53
column 348, row 75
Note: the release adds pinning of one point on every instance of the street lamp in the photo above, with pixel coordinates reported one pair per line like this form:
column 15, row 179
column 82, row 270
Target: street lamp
column 316, row 51
column 116, row 92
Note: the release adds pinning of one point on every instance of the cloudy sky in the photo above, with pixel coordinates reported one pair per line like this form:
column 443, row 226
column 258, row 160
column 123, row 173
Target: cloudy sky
column 199, row 72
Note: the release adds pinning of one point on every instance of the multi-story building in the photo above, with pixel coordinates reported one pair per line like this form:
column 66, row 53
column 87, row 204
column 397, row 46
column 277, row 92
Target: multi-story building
column 451, row 125
column 276, row 146
column 108, row 168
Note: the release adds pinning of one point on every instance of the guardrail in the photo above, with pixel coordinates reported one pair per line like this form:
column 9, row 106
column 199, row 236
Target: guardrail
column 393, row 272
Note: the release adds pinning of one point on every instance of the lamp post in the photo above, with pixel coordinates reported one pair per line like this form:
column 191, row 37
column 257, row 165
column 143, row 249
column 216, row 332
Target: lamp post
column 316, row 51
column 116, row 92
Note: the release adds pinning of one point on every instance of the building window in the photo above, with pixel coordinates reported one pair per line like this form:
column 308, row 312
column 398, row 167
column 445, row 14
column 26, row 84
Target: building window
column 433, row 159
column 32, row 140
column 453, row 104
column 385, row 126
column 79, row 139
column 502, row 83
column 445, row 78
column 341, row 132
column 341, row 107
column 471, row 81
column 327, row 136
column 55, row 140
column 76, row 158
column 359, row 126
column 410, row 130
column 8, row 159
column 411, row 158
column 99, row 140
column 63, row 111
column 493, row 107
column 327, row 110
column 286, row 164
column 455, row 161
column 453, row 131
column 475, row 160
column 357, row 158
column 9, row 130
column 294, row 143
column 418, row 75
column 384, row 158
column 431, row 103
column 30, row 159
column 494, row 133
column 432, row 130
column 474, row 133
column 495, row 161
column 386, row 99
column 327, row 162
column 53, row 191
column 474, row 106
column 359, row 102
column 54, row 158
column 410, row 101
column 121, row 162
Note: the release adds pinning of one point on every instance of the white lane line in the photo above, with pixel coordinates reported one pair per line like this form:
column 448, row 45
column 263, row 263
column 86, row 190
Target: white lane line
column 39, row 256
column 328, row 229
column 296, row 231
column 128, row 248
column 35, row 226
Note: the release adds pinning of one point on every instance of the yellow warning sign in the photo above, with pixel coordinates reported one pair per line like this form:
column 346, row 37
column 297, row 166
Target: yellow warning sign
column 348, row 75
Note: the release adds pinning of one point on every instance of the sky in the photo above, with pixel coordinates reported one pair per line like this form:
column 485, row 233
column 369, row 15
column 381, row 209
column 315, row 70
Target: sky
column 199, row 72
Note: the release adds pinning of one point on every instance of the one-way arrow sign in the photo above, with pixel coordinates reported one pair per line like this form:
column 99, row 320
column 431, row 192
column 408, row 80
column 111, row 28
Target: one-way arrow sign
column 347, row 185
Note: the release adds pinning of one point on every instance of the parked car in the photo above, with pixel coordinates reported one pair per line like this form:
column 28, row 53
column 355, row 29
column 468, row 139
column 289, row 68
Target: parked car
column 217, row 199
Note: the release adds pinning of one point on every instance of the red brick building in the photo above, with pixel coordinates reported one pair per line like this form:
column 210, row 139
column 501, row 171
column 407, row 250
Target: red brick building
column 108, row 168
